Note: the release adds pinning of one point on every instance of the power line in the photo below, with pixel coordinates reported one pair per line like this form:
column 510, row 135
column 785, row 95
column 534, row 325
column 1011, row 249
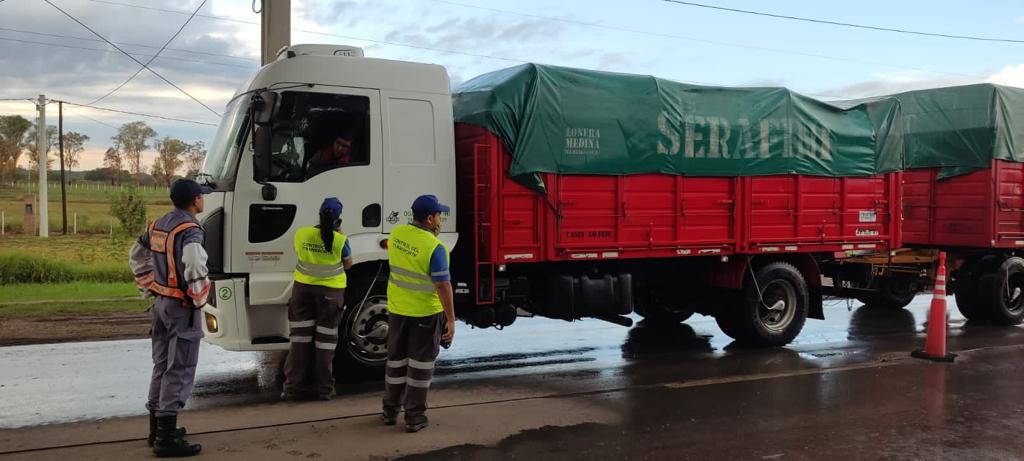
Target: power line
column 73, row 47
column 141, row 114
column 697, row 39
column 132, row 57
column 167, row 10
column 79, row 112
column 107, row 109
column 150, row 61
column 845, row 24
column 88, row 39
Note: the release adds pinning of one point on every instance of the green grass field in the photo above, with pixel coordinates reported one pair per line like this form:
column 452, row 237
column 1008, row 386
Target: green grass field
column 73, row 291
column 90, row 201
column 74, row 307
column 91, row 260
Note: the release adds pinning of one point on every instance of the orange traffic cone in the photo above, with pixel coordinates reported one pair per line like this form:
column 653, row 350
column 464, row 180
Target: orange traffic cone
column 935, row 343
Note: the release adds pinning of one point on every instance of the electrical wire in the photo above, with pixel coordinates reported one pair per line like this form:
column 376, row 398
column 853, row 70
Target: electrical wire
column 698, row 39
column 73, row 47
column 141, row 114
column 153, row 58
column 845, row 24
column 88, row 39
column 81, row 113
column 132, row 57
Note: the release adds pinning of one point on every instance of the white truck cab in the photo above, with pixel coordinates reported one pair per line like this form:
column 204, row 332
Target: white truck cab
column 269, row 172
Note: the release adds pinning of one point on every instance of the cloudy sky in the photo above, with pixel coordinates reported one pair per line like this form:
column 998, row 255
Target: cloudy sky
column 44, row 52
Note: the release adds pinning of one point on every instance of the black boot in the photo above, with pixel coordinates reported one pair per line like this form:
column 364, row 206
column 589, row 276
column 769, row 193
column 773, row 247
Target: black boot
column 168, row 443
column 152, row 428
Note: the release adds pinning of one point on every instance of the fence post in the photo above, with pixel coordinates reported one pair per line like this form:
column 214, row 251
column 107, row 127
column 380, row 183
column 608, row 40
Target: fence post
column 76, row 223
column 3, row 222
column 111, row 221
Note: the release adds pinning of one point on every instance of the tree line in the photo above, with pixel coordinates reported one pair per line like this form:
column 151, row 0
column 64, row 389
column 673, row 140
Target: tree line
column 123, row 158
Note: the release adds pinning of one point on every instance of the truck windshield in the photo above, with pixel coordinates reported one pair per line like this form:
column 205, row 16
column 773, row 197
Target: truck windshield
column 222, row 158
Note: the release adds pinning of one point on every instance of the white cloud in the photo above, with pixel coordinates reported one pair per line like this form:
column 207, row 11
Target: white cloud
column 1020, row 20
column 1009, row 75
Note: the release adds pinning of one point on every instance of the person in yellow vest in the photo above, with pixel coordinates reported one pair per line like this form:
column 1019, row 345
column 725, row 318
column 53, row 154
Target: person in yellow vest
column 317, row 302
column 421, row 314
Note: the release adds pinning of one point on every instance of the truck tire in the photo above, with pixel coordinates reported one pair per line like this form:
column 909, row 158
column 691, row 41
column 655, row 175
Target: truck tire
column 969, row 294
column 665, row 314
column 1004, row 290
column 726, row 308
column 774, row 306
column 891, row 293
column 362, row 339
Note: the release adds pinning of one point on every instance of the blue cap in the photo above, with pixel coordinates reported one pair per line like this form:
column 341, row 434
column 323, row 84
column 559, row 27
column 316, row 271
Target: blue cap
column 331, row 205
column 186, row 190
column 427, row 205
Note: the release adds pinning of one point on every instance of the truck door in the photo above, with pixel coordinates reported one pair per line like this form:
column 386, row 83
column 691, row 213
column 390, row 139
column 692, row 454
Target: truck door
column 419, row 153
column 326, row 143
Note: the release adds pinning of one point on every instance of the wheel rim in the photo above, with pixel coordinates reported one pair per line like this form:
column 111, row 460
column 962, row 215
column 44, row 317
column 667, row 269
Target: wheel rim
column 368, row 331
column 778, row 305
column 1013, row 294
column 901, row 289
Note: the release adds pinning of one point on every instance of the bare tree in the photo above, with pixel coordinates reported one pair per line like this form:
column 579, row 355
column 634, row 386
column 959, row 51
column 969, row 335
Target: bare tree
column 32, row 151
column 133, row 139
column 74, row 144
column 114, row 161
column 195, row 155
column 169, row 159
column 12, row 141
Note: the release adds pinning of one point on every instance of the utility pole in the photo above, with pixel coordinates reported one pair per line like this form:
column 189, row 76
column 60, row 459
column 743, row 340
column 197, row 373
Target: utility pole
column 276, row 20
column 42, row 145
column 60, row 142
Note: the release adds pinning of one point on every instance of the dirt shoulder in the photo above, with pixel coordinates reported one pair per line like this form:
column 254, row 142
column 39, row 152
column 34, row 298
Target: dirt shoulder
column 59, row 328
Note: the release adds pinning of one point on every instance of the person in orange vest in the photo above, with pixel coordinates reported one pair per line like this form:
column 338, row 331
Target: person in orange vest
column 421, row 313
column 317, row 303
column 169, row 262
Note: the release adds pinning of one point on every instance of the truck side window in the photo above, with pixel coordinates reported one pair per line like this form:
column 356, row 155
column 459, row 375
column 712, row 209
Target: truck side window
column 317, row 132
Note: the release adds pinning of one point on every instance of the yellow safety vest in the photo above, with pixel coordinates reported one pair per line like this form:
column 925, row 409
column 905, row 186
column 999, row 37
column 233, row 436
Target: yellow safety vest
column 316, row 266
column 411, row 291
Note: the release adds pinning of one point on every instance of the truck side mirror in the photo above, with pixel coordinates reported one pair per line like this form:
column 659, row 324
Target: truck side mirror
column 263, row 104
column 262, row 116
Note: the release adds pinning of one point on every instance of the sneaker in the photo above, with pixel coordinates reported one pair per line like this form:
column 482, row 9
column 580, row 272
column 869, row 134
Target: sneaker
column 416, row 425
column 325, row 397
column 289, row 395
column 389, row 420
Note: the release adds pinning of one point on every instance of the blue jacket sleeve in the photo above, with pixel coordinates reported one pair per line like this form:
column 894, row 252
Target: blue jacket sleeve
column 439, row 265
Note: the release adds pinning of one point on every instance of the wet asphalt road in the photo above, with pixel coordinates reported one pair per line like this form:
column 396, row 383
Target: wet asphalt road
column 58, row 383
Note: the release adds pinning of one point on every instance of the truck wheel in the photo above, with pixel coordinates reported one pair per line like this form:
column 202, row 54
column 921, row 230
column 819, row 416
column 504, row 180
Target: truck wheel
column 774, row 307
column 968, row 293
column 665, row 314
column 1005, row 292
column 364, row 327
column 726, row 306
column 892, row 293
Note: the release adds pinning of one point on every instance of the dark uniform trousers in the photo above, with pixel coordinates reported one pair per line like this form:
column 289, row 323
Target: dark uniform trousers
column 413, row 345
column 175, row 354
column 314, row 313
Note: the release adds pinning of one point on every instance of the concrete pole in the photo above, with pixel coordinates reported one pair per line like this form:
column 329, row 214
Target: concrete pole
column 42, row 143
column 276, row 20
column 63, row 193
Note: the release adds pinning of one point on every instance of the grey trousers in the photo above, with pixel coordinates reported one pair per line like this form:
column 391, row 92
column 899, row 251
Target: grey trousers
column 175, row 354
column 314, row 313
column 413, row 345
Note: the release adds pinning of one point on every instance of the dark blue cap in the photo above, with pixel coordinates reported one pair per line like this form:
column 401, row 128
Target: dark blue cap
column 186, row 190
column 333, row 206
column 427, row 205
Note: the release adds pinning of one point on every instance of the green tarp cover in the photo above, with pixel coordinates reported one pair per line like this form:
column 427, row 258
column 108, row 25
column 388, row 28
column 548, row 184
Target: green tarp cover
column 562, row 120
column 962, row 128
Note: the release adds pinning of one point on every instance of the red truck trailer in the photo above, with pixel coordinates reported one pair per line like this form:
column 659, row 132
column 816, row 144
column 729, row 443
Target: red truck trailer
column 963, row 193
column 726, row 233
